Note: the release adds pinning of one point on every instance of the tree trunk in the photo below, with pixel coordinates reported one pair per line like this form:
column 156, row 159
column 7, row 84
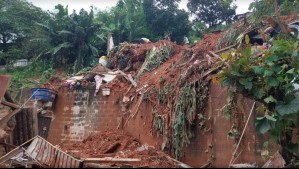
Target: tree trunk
column 4, row 41
column 277, row 13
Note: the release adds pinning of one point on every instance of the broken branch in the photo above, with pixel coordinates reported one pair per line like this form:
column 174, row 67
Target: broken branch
column 128, row 77
column 217, row 56
column 109, row 159
column 242, row 134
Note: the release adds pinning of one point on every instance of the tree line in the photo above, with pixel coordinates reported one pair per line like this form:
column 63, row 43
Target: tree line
column 75, row 39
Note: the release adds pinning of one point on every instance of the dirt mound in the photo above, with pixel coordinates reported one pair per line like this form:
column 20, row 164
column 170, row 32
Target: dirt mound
column 129, row 57
column 208, row 43
column 54, row 83
column 118, row 144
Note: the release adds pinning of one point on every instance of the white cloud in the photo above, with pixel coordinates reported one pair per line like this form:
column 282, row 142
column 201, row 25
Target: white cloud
column 104, row 4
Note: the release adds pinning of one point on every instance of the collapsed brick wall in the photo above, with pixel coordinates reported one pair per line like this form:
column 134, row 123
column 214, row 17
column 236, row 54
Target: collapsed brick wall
column 214, row 144
column 79, row 114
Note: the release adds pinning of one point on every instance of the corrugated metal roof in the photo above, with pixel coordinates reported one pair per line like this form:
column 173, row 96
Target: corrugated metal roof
column 40, row 152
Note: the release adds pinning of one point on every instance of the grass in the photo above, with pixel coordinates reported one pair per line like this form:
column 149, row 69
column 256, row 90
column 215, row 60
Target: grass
column 29, row 76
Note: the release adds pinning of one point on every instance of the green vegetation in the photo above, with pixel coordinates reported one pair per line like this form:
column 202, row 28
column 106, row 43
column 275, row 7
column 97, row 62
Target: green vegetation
column 270, row 79
column 37, row 72
column 212, row 12
column 76, row 40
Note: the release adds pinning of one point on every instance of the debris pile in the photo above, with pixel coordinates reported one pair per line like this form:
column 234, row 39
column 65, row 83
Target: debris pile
column 116, row 144
column 173, row 79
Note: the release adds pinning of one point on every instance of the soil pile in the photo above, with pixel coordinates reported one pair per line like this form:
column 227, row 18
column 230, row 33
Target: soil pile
column 117, row 144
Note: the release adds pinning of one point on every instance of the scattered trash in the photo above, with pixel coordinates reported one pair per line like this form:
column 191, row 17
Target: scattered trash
column 99, row 81
column 106, row 91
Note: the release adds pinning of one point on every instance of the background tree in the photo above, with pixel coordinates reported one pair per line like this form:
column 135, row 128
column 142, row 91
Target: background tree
column 212, row 12
column 163, row 17
column 262, row 8
column 19, row 31
column 73, row 38
column 126, row 21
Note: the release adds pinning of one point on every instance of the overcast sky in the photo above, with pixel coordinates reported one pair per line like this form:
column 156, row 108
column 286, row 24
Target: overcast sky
column 104, row 4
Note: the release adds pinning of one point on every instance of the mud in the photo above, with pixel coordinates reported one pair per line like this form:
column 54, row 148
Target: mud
column 96, row 146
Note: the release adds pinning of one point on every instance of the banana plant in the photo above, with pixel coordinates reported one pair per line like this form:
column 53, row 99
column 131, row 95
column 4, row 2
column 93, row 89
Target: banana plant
column 73, row 38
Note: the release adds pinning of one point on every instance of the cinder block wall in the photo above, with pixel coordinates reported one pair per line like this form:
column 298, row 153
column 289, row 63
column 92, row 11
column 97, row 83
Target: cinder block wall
column 79, row 113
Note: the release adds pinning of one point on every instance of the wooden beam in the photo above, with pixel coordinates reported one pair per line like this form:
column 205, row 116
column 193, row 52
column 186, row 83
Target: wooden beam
column 9, row 104
column 217, row 56
column 128, row 77
column 4, row 120
column 225, row 49
column 109, row 159
column 8, row 97
column 182, row 165
column 8, row 145
column 132, row 80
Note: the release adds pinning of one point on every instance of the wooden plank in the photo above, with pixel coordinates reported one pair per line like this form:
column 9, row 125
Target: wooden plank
column 109, row 159
column 9, row 104
column 8, row 145
column 4, row 81
column 132, row 80
column 4, row 120
column 225, row 49
column 128, row 78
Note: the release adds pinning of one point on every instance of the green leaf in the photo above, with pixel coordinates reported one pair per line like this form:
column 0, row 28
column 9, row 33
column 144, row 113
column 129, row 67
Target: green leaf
column 260, row 118
column 249, row 86
column 268, row 73
column 247, row 39
column 61, row 46
column 271, row 58
column 296, row 44
column 270, row 118
column 248, row 51
column 226, row 82
column 295, row 54
column 289, row 108
column 243, row 81
column 281, row 79
column 224, row 56
column 243, row 61
column 258, row 93
column 263, row 125
column 236, row 73
column 270, row 99
column 291, row 71
column 258, row 69
column 65, row 32
column 274, row 82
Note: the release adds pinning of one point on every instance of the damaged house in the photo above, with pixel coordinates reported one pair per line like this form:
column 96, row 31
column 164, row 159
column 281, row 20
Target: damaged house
column 154, row 105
